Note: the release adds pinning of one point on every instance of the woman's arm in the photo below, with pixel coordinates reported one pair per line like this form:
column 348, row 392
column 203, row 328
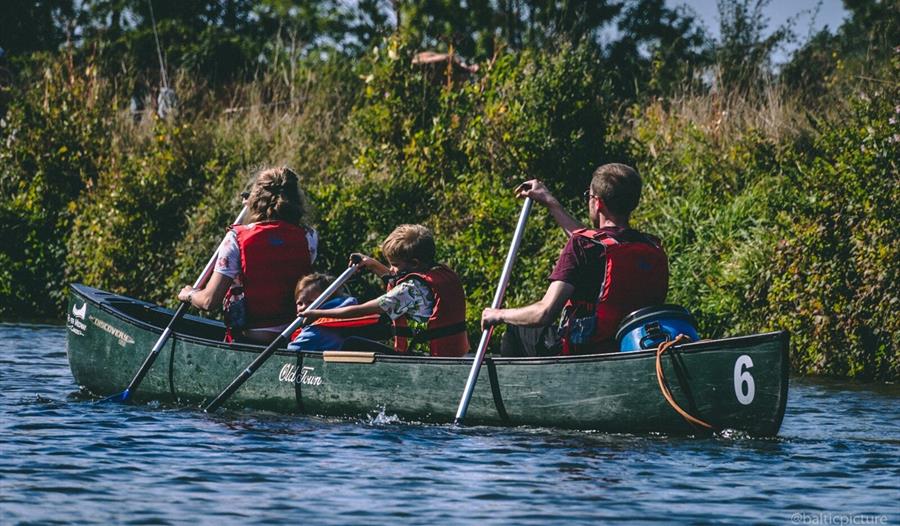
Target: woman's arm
column 228, row 266
column 209, row 296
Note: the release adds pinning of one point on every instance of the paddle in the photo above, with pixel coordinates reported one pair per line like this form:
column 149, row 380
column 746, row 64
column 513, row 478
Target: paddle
column 179, row 313
column 283, row 337
column 498, row 300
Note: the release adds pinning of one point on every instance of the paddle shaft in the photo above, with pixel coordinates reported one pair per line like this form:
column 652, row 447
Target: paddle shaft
column 498, row 300
column 283, row 337
column 179, row 313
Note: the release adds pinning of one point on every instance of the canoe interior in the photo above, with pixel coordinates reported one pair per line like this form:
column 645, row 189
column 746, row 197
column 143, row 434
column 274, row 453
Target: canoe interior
column 158, row 317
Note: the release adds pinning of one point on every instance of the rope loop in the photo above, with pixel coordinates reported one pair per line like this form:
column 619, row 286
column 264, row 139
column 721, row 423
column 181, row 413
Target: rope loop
column 663, row 386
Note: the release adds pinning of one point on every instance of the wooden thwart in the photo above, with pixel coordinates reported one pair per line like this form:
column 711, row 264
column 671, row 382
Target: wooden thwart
column 349, row 357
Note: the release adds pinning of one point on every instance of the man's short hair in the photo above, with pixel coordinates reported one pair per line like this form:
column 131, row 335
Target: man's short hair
column 408, row 242
column 619, row 186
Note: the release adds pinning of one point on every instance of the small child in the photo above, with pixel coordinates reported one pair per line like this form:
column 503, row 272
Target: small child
column 324, row 334
column 424, row 299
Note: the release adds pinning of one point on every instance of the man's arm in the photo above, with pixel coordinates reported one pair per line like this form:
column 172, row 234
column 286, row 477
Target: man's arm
column 539, row 314
column 539, row 192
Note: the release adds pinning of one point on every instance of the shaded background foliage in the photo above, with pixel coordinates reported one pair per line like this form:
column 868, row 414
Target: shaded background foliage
column 775, row 189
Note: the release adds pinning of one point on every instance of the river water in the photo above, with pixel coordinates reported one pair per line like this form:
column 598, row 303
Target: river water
column 64, row 459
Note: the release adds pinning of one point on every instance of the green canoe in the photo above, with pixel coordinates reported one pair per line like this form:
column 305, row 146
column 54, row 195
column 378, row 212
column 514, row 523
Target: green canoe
column 735, row 383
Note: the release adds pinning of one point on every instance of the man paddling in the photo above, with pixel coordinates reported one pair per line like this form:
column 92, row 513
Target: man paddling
column 602, row 274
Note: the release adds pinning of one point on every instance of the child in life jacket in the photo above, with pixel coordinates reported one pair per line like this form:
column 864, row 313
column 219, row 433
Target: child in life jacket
column 318, row 336
column 424, row 300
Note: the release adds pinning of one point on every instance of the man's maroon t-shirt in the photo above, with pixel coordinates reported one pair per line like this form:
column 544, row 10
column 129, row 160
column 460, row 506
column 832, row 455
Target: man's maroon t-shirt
column 582, row 263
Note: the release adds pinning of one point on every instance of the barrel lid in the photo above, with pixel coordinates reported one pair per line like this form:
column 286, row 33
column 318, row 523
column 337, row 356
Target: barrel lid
column 640, row 316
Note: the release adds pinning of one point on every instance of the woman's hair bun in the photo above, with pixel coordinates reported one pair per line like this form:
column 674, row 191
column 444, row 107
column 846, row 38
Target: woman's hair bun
column 276, row 195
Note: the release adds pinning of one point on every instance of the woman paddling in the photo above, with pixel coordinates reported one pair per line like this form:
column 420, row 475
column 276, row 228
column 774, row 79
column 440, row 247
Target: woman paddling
column 259, row 263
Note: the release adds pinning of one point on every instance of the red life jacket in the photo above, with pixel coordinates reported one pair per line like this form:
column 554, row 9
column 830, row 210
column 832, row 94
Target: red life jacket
column 274, row 255
column 342, row 323
column 446, row 331
column 636, row 276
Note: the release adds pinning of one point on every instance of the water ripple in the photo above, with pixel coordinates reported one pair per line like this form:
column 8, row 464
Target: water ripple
column 67, row 459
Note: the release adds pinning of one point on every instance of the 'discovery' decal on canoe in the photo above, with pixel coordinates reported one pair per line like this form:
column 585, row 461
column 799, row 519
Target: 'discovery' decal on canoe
column 122, row 336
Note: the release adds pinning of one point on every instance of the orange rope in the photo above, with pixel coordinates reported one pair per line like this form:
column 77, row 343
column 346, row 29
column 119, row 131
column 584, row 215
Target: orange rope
column 667, row 394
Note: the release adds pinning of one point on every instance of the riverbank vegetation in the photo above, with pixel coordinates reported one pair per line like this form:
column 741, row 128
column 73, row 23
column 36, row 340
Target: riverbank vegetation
column 774, row 189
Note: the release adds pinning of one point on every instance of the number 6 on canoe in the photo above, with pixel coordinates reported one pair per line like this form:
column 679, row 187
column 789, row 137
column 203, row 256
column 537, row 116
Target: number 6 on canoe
column 498, row 300
column 283, row 337
column 179, row 313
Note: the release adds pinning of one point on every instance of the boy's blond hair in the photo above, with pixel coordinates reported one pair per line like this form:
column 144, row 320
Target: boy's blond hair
column 408, row 242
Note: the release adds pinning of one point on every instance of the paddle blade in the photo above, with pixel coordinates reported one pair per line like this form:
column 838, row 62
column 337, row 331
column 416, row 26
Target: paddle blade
column 118, row 397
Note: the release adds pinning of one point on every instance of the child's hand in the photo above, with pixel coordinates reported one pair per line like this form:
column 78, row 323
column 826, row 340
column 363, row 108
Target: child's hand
column 369, row 263
column 313, row 314
column 363, row 261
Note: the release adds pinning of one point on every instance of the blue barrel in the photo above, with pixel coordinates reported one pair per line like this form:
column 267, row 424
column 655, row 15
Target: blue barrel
column 648, row 327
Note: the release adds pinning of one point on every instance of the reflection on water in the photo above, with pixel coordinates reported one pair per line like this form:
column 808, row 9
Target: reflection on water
column 71, row 460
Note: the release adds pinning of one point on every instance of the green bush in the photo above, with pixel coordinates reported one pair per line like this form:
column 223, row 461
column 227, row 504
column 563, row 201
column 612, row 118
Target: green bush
column 448, row 154
column 124, row 237
column 710, row 200
column 304, row 129
column 796, row 233
column 835, row 274
column 56, row 136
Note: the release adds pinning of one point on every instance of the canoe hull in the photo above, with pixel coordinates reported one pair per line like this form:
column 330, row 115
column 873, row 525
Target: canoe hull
column 737, row 383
